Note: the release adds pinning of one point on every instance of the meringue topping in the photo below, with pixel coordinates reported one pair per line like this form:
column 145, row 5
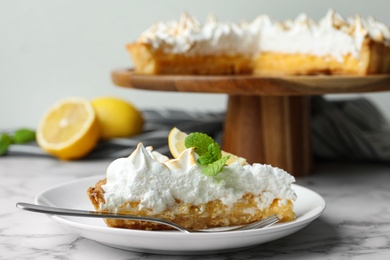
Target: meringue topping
column 332, row 35
column 146, row 176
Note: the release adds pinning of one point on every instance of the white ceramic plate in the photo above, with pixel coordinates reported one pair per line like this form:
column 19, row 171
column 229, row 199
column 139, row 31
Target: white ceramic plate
column 308, row 207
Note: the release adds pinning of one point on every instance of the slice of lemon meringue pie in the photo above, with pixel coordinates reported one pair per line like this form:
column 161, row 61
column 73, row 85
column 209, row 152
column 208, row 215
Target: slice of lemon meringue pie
column 197, row 190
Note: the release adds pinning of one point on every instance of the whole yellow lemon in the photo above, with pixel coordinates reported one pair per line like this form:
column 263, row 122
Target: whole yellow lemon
column 117, row 117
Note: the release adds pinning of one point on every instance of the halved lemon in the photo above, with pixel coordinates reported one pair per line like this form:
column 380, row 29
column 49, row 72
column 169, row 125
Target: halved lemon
column 176, row 146
column 69, row 129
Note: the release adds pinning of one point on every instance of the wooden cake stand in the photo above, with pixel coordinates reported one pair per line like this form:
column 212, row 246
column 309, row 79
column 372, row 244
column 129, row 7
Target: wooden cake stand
column 267, row 118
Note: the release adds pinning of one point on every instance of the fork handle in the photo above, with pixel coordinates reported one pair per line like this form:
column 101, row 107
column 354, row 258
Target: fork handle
column 92, row 214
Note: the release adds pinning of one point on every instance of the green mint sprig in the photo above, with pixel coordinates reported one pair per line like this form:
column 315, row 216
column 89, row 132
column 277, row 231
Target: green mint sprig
column 209, row 153
column 20, row 136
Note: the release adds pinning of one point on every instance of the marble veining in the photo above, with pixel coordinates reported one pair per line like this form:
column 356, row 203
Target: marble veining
column 355, row 224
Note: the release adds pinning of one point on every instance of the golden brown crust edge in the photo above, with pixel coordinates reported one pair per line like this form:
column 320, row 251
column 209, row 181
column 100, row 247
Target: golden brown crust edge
column 374, row 58
column 96, row 196
column 148, row 61
column 212, row 214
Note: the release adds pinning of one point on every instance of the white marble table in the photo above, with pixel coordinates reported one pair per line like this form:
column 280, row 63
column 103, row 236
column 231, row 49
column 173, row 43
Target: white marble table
column 355, row 224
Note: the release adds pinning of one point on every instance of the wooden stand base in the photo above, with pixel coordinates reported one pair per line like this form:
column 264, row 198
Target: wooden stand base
column 271, row 130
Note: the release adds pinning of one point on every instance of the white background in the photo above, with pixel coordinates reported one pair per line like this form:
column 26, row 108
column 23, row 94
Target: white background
column 51, row 49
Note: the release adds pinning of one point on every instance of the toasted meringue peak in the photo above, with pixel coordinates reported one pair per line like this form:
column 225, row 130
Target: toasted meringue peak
column 186, row 24
column 333, row 19
column 304, row 20
column 156, row 155
column 142, row 158
column 377, row 30
column 185, row 161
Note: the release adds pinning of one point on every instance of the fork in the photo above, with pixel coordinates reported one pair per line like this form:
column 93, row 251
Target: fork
column 96, row 214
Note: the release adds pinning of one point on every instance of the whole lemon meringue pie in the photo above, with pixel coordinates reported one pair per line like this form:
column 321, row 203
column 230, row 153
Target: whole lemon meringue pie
column 332, row 45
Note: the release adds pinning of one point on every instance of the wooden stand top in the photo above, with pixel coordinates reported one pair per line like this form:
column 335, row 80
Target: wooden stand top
column 254, row 84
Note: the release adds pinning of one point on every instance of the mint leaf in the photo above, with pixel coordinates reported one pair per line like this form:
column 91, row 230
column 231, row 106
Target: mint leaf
column 205, row 160
column 213, row 154
column 209, row 153
column 5, row 141
column 23, row 135
column 200, row 142
column 215, row 151
column 216, row 167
